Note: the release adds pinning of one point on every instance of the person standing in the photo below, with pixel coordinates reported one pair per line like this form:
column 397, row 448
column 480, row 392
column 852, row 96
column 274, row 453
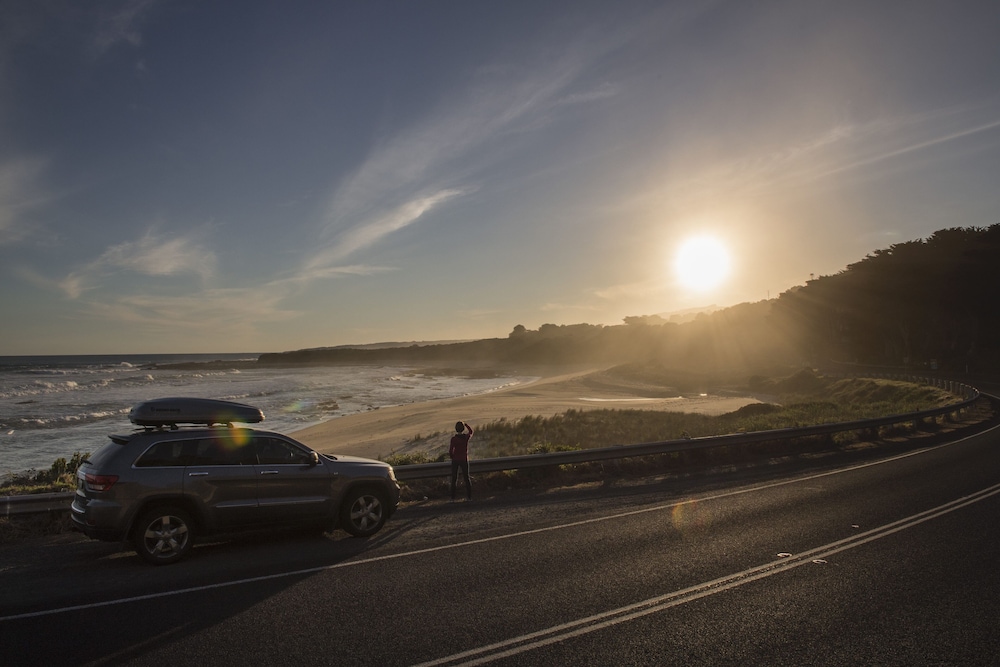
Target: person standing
column 459, row 453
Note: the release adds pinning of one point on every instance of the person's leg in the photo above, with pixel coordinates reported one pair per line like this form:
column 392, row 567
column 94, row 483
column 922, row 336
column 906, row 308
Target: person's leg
column 454, row 477
column 468, row 480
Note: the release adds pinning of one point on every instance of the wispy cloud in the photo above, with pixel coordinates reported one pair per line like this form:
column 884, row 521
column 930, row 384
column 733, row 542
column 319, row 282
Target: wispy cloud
column 151, row 255
column 567, row 307
column 19, row 193
column 120, row 24
column 600, row 92
column 843, row 149
column 371, row 232
column 910, row 147
column 437, row 158
column 156, row 256
column 319, row 272
column 639, row 289
column 205, row 311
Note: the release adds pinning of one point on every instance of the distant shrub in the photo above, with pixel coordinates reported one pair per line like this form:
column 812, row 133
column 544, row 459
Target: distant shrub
column 757, row 409
column 408, row 459
column 60, row 476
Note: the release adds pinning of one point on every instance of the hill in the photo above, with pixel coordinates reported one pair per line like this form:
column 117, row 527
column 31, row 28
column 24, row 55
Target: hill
column 923, row 303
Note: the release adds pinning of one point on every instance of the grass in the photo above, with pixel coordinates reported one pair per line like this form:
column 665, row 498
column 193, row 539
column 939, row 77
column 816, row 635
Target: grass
column 61, row 476
column 803, row 399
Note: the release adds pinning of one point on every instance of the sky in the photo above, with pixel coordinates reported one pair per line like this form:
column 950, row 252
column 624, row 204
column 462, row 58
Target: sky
column 179, row 176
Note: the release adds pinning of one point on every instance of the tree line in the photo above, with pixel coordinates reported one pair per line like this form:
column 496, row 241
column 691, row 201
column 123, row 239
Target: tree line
column 917, row 303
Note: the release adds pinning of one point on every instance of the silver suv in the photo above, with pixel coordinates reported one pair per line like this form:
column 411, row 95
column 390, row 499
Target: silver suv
column 189, row 472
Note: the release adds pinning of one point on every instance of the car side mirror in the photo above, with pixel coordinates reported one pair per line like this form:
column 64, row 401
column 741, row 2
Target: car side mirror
column 313, row 459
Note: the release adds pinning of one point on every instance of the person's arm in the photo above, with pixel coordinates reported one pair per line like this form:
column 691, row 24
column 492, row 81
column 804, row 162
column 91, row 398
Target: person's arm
column 468, row 428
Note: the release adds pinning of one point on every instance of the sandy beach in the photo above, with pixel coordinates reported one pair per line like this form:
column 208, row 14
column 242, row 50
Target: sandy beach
column 392, row 430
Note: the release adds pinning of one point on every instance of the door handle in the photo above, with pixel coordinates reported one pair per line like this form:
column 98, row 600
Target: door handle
column 197, row 474
column 268, row 472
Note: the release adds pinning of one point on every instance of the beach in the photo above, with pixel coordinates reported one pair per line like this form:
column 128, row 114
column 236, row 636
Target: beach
column 395, row 429
column 52, row 407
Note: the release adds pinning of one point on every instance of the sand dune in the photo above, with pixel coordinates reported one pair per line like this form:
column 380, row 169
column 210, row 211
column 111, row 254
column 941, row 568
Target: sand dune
column 391, row 430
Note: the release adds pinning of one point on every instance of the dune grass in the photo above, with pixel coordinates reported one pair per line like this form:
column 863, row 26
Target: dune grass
column 804, row 399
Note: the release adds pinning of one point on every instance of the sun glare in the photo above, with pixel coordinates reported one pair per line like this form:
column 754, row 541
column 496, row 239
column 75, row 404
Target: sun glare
column 702, row 263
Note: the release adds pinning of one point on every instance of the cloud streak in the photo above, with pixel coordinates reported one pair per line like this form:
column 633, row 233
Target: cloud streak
column 151, row 255
column 916, row 146
column 19, row 193
column 121, row 25
column 842, row 149
column 373, row 231
column 419, row 169
column 203, row 311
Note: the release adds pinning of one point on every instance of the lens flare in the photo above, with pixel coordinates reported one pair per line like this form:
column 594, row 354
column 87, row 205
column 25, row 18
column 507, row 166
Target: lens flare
column 689, row 516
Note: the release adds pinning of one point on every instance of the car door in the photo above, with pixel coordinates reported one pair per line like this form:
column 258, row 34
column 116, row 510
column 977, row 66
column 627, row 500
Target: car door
column 291, row 487
column 220, row 474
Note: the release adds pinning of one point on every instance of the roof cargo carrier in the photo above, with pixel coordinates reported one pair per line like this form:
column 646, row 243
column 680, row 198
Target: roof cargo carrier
column 175, row 411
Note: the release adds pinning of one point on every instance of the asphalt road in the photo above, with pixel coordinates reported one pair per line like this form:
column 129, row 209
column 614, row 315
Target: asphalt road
column 877, row 560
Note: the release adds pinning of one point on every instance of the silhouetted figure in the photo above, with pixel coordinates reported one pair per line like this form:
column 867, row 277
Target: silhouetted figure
column 459, row 453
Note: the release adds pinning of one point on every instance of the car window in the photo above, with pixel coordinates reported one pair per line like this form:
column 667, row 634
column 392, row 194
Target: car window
column 210, row 451
column 105, row 454
column 273, row 451
column 221, row 451
column 168, row 453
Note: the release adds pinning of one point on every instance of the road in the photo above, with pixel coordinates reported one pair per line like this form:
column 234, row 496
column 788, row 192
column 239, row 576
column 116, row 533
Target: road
column 886, row 558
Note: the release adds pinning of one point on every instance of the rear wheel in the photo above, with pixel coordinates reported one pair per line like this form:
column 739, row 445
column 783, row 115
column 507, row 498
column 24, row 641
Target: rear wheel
column 164, row 535
column 364, row 512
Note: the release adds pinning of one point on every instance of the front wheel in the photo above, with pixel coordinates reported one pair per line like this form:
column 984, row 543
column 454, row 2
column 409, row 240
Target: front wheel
column 164, row 535
column 363, row 512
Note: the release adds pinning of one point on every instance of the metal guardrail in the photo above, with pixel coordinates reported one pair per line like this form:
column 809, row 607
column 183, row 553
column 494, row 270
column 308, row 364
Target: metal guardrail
column 38, row 503
column 60, row 502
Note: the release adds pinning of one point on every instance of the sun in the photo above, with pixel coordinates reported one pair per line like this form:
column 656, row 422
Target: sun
column 702, row 263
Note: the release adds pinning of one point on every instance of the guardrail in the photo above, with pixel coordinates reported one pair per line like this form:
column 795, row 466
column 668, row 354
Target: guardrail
column 60, row 502
column 37, row 503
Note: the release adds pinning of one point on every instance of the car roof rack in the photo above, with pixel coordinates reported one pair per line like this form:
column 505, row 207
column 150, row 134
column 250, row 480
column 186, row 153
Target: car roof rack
column 174, row 411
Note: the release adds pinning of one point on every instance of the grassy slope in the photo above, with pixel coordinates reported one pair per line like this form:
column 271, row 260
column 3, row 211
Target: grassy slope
column 803, row 399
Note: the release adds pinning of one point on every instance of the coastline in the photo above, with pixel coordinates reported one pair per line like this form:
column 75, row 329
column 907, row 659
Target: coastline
column 392, row 430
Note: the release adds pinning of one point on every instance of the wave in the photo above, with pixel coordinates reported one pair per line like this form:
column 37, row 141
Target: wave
column 48, row 388
column 37, row 422
column 123, row 367
column 50, row 412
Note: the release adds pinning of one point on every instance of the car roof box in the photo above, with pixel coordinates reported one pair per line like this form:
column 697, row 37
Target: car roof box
column 174, row 411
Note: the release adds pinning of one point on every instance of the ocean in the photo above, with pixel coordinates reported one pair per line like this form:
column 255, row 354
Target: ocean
column 54, row 406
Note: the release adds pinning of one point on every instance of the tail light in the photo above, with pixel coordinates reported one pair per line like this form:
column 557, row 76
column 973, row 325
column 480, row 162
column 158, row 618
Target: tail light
column 100, row 483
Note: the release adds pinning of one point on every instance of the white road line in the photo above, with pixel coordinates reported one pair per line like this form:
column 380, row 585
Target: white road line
column 459, row 545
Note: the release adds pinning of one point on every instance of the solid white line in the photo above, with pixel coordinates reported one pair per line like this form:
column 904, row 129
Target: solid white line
column 458, row 545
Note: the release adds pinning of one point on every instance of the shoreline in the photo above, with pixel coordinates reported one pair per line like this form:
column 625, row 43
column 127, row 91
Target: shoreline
column 394, row 430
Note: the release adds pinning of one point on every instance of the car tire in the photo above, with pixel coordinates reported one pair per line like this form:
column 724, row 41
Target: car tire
column 364, row 512
column 164, row 535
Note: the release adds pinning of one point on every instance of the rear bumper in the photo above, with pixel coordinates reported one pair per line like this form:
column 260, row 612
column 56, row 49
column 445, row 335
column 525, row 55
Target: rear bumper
column 87, row 520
